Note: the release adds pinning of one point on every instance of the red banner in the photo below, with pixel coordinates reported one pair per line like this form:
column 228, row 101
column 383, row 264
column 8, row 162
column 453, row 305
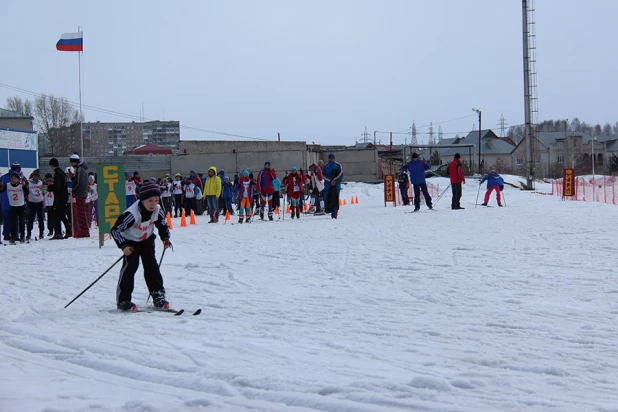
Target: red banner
column 389, row 190
column 568, row 188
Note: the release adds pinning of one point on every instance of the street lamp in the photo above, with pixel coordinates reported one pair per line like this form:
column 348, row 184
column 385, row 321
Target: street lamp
column 480, row 118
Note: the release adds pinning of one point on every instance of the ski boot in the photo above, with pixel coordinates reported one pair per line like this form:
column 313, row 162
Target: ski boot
column 270, row 216
column 29, row 236
column 241, row 218
column 298, row 214
column 126, row 305
column 158, row 300
column 248, row 219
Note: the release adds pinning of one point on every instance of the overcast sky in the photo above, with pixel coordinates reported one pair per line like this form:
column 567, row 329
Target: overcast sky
column 315, row 70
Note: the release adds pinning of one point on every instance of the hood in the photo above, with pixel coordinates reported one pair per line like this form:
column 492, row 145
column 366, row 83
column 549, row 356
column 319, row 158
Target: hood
column 82, row 165
column 214, row 169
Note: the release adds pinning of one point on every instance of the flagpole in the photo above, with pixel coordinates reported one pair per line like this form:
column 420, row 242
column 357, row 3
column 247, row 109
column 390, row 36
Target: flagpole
column 81, row 122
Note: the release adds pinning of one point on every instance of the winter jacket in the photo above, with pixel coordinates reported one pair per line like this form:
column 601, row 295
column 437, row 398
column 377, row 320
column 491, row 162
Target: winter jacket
column 493, row 180
column 332, row 172
column 228, row 190
column 403, row 180
column 213, row 184
column 417, row 168
column 80, row 181
column 293, row 180
column 277, row 184
column 265, row 181
column 196, row 181
column 248, row 182
column 455, row 172
column 7, row 180
column 61, row 195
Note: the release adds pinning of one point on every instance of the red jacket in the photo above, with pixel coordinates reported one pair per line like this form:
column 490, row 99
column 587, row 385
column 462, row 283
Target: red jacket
column 265, row 181
column 455, row 172
column 291, row 180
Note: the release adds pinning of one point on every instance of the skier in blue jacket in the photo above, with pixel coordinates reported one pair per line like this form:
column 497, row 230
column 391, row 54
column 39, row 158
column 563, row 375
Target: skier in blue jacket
column 494, row 182
column 332, row 173
column 416, row 167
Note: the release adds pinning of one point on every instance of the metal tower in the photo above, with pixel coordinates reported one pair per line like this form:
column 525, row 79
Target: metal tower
column 413, row 141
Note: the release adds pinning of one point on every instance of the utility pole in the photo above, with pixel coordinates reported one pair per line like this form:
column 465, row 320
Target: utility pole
column 480, row 133
column 374, row 137
column 528, row 92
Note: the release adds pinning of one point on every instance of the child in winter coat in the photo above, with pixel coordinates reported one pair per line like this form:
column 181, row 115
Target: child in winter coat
column 494, row 182
column 133, row 232
column 17, row 191
column 245, row 196
column 36, row 204
column 227, row 191
column 294, row 187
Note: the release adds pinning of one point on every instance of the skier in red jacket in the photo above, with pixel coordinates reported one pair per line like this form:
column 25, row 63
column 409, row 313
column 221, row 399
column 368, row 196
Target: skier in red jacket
column 455, row 172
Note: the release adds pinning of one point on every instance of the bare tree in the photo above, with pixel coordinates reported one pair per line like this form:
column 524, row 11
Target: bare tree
column 53, row 116
column 16, row 104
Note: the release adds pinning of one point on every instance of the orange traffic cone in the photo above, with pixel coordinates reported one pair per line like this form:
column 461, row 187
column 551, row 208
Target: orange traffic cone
column 344, row 202
column 277, row 210
column 352, row 200
column 356, row 199
column 340, row 202
column 306, row 206
column 192, row 220
column 227, row 215
column 287, row 209
column 169, row 221
column 183, row 219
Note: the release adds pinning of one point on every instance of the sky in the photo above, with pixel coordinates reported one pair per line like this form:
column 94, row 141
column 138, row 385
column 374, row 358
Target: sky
column 319, row 71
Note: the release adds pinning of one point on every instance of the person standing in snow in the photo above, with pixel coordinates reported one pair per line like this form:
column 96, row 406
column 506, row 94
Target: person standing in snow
column 317, row 189
column 494, row 182
column 61, row 194
column 49, row 203
column 17, row 191
column 294, row 189
column 266, row 189
column 133, row 233
column 455, row 172
column 417, row 168
column 166, row 195
column 212, row 191
column 130, row 191
column 332, row 174
column 404, row 185
column 6, row 207
column 177, row 191
column 190, row 201
column 36, row 204
column 245, row 196
column 227, row 191
column 93, row 191
column 80, row 194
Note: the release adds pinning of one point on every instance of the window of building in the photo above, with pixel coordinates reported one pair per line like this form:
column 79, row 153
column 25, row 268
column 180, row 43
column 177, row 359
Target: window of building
column 519, row 161
column 560, row 159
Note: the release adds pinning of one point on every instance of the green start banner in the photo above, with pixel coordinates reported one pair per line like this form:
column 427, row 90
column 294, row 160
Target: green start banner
column 112, row 199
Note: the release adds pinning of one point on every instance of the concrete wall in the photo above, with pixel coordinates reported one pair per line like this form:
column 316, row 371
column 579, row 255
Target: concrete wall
column 147, row 166
column 358, row 165
column 23, row 123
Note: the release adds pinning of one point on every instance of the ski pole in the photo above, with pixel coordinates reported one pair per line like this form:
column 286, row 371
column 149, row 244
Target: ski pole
column 477, row 196
column 503, row 197
column 97, row 279
column 441, row 195
column 160, row 261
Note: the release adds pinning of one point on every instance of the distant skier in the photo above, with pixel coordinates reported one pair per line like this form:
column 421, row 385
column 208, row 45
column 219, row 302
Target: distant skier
column 332, row 172
column 177, row 192
column 227, row 192
column 130, row 189
column 455, row 172
column 404, row 185
column 17, row 191
column 417, row 168
column 36, row 204
column 294, row 189
column 266, row 189
column 317, row 189
column 212, row 191
column 494, row 182
column 166, row 196
column 245, row 196
column 133, row 232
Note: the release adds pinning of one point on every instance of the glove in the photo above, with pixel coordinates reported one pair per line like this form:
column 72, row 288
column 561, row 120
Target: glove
column 167, row 244
column 501, row 188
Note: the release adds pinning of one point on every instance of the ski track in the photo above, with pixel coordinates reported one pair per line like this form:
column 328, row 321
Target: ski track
column 380, row 310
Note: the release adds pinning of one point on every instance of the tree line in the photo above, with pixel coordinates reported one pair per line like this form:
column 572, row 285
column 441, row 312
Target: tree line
column 516, row 133
column 53, row 116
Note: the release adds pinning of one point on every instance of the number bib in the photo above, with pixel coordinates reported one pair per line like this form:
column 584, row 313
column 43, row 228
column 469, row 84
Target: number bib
column 36, row 192
column 16, row 195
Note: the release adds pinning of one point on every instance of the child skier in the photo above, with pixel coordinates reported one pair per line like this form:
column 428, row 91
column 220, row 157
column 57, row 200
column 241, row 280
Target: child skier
column 130, row 190
column 178, row 190
column 35, row 204
column 166, row 195
column 245, row 196
column 228, row 192
column 49, row 203
column 133, row 232
column 494, row 182
column 294, row 189
column 17, row 192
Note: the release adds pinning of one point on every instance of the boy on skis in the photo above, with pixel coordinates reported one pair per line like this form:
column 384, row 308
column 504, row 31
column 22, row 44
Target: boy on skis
column 294, row 188
column 494, row 182
column 245, row 196
column 133, row 232
column 17, row 191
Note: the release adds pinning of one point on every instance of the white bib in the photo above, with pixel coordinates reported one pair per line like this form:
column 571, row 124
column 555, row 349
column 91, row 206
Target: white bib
column 49, row 199
column 36, row 192
column 140, row 231
column 177, row 187
column 16, row 195
column 129, row 188
column 189, row 194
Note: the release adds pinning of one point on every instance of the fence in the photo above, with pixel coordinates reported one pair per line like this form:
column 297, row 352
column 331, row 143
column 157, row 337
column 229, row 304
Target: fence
column 434, row 192
column 600, row 189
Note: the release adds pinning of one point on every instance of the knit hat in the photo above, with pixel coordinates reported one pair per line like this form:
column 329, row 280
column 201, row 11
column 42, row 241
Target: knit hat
column 69, row 170
column 414, row 155
column 177, row 175
column 457, row 156
column 244, row 173
column 492, row 171
column 331, row 156
column 74, row 158
column 153, row 179
column 267, row 163
column 149, row 190
column 16, row 166
column 136, row 173
column 293, row 168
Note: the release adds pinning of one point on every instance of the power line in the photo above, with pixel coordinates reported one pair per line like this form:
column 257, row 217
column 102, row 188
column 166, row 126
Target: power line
column 129, row 116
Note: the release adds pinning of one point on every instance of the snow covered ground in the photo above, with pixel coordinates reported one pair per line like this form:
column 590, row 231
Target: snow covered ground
column 484, row 309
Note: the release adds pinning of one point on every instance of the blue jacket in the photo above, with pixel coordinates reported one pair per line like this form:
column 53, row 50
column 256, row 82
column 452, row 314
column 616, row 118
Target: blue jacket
column 332, row 172
column 417, row 168
column 277, row 184
column 228, row 190
column 495, row 180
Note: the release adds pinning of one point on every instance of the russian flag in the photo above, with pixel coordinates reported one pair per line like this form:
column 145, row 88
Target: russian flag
column 71, row 42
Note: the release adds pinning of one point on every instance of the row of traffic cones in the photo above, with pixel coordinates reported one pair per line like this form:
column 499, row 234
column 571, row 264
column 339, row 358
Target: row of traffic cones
column 353, row 201
column 183, row 219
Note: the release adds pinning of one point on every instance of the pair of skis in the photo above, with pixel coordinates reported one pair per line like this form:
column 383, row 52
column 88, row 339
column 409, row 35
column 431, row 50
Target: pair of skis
column 170, row 311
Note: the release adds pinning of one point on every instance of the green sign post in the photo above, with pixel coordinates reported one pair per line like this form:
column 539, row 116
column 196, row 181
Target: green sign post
column 112, row 199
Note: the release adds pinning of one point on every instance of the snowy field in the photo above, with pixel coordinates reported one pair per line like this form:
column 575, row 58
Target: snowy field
column 483, row 309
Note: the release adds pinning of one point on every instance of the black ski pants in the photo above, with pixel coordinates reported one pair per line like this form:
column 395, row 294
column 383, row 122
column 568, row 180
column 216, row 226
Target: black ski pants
column 60, row 217
column 177, row 204
column 456, row 189
column 417, row 195
column 50, row 218
column 36, row 210
column 18, row 213
column 152, row 275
